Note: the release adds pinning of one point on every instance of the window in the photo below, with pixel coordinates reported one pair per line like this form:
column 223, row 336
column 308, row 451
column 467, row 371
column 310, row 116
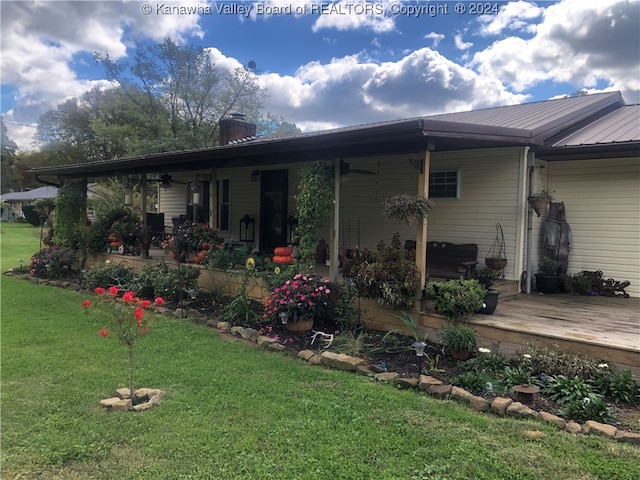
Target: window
column 222, row 192
column 444, row 184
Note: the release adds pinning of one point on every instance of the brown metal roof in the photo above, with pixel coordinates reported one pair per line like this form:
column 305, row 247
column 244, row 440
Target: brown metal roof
column 532, row 124
column 621, row 125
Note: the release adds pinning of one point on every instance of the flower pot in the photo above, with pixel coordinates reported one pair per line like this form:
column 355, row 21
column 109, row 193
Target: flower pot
column 540, row 205
column 302, row 325
column 490, row 302
column 547, row 283
column 495, row 263
column 460, row 355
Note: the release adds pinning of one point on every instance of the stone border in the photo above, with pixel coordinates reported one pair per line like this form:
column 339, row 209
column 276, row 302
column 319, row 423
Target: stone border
column 499, row 405
column 145, row 398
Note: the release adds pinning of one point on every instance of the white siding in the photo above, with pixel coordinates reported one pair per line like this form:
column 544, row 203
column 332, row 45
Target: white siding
column 602, row 200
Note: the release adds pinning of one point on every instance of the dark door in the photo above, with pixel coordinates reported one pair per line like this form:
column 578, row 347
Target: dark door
column 274, row 193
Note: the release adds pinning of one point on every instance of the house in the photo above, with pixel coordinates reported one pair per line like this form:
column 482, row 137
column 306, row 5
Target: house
column 479, row 167
column 15, row 201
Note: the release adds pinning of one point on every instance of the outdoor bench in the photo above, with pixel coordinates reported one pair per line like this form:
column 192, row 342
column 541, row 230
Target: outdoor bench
column 451, row 260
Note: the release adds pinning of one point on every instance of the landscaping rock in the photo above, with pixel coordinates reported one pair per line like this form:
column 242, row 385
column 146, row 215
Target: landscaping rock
column 123, row 393
column 237, row 331
column 340, row 361
column 265, row 341
column 110, row 402
column 479, row 404
column 551, row 418
column 499, row 405
column 195, row 314
column 628, row 437
column 440, row 391
column 211, row 323
column 316, row 360
column 597, row 428
column 278, row 347
column 306, row 354
column 377, row 368
column 224, row 327
column 405, row 382
column 365, row 370
column 517, row 409
column 386, row 376
column 143, row 406
column 426, row 381
column 573, row 427
column 250, row 334
column 460, row 393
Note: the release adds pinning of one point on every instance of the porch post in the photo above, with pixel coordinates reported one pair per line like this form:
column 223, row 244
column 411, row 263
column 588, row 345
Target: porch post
column 421, row 233
column 335, row 229
column 144, row 252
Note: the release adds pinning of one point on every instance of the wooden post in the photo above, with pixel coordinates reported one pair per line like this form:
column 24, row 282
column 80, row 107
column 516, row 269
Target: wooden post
column 335, row 228
column 421, row 233
column 144, row 252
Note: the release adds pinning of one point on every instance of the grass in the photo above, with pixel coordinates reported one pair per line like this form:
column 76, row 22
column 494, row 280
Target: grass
column 234, row 411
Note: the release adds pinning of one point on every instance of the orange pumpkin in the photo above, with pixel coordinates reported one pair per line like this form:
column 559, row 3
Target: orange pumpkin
column 282, row 259
column 283, row 251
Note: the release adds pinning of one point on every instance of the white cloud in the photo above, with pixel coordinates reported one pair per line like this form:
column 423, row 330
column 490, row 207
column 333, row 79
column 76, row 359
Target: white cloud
column 41, row 39
column 460, row 44
column 436, row 37
column 512, row 16
column 578, row 43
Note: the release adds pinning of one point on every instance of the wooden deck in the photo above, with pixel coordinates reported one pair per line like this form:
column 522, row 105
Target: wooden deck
column 606, row 328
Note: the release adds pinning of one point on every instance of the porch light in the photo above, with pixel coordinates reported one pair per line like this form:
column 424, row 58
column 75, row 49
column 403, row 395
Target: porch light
column 255, row 175
column 127, row 192
column 196, row 193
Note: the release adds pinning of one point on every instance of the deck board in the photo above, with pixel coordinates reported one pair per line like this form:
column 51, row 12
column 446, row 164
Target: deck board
column 606, row 321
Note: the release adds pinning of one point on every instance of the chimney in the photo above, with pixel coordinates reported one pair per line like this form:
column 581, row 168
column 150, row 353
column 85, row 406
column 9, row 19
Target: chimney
column 235, row 128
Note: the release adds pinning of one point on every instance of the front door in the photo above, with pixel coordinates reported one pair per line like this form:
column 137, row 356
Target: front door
column 274, row 192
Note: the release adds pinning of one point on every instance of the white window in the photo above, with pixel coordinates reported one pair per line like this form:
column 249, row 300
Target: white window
column 444, row 184
column 222, row 192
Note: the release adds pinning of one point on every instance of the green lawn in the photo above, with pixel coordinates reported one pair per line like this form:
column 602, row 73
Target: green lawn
column 234, row 411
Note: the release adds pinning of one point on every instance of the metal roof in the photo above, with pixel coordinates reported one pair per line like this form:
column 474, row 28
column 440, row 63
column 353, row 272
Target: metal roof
column 35, row 194
column 533, row 124
column 622, row 125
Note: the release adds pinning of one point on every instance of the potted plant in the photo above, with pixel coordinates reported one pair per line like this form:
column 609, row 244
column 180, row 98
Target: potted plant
column 486, row 277
column 456, row 299
column 459, row 339
column 547, row 280
column 298, row 299
column 409, row 209
column 540, row 201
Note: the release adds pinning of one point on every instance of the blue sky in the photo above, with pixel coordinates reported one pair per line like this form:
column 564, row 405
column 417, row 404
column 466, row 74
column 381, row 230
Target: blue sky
column 326, row 63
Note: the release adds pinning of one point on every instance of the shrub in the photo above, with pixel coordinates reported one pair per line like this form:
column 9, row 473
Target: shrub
column 552, row 361
column 565, row 390
column 158, row 279
column 456, row 299
column 473, row 381
column 191, row 238
column 301, row 297
column 620, row 387
column 591, row 407
column 53, row 262
column 389, row 274
column 486, row 362
column 458, row 338
column 108, row 274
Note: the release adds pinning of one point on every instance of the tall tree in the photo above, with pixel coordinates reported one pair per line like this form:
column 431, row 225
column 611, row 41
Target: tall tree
column 185, row 83
column 7, row 160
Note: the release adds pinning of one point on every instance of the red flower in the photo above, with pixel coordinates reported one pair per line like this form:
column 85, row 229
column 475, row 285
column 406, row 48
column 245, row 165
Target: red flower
column 99, row 290
column 145, row 303
column 104, row 332
column 138, row 313
column 128, row 297
column 86, row 304
column 113, row 291
column 159, row 301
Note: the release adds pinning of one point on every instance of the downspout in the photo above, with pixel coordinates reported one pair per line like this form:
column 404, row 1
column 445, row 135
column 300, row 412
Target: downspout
column 531, row 157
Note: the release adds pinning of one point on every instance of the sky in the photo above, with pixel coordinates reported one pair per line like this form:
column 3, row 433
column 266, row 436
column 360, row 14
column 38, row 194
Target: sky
column 326, row 64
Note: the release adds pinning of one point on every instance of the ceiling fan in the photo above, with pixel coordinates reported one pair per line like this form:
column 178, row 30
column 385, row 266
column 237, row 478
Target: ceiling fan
column 166, row 181
column 345, row 169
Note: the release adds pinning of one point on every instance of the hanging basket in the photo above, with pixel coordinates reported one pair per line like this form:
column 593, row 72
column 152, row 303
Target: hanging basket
column 540, row 205
column 496, row 259
column 495, row 263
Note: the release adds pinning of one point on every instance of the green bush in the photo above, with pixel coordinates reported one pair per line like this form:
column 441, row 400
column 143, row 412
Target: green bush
column 566, row 390
column 389, row 274
column 98, row 233
column 172, row 284
column 456, row 299
column 488, row 362
column 552, row 361
column 590, row 407
column 620, row 387
column 108, row 274
column 53, row 262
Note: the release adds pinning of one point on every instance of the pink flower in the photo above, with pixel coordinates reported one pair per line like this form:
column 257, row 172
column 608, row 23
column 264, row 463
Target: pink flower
column 104, row 332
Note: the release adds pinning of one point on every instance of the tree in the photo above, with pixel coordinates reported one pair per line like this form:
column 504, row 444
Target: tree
column 7, row 160
column 184, row 83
